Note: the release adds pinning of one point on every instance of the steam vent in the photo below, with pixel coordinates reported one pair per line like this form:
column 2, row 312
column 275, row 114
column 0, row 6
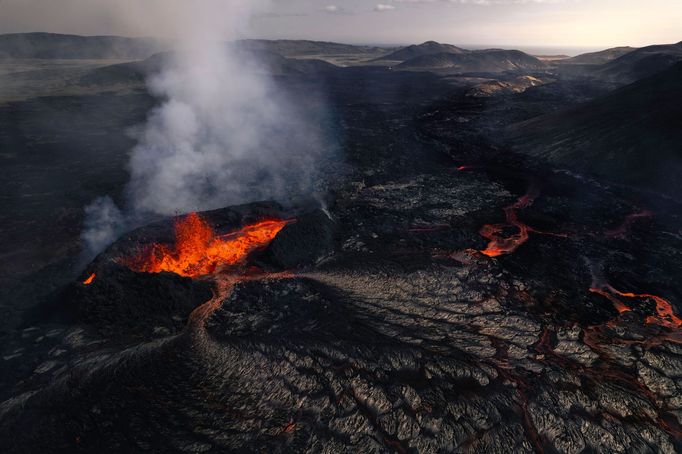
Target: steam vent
column 311, row 247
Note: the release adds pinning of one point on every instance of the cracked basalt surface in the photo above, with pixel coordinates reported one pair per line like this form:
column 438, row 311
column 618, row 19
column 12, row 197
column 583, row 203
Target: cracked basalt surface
column 391, row 333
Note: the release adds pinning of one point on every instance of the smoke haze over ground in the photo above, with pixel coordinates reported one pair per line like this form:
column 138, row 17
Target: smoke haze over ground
column 223, row 133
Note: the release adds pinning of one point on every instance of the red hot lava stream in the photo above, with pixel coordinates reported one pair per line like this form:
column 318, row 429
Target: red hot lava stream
column 665, row 315
column 500, row 244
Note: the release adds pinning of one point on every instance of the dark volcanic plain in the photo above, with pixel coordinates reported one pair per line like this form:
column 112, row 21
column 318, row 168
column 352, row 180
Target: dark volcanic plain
column 387, row 322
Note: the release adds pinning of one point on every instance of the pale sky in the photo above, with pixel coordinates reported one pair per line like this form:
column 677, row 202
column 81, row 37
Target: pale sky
column 541, row 23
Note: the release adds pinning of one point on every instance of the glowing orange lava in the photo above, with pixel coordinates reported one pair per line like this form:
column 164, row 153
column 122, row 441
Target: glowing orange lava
column 501, row 245
column 198, row 251
column 89, row 280
column 617, row 304
column 664, row 310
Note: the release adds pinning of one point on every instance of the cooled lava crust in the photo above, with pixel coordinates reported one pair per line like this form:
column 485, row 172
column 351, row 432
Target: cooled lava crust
column 381, row 327
column 362, row 352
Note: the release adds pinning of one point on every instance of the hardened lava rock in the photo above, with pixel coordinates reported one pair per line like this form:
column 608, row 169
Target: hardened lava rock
column 291, row 311
column 384, row 330
column 307, row 240
column 364, row 360
column 122, row 301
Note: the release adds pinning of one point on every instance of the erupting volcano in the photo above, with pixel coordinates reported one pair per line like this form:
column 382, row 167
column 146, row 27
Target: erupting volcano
column 396, row 257
column 199, row 251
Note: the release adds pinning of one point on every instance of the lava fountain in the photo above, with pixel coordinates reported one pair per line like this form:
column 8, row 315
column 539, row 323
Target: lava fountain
column 199, row 251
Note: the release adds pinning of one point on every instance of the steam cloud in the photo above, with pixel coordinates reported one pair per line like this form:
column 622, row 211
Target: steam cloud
column 103, row 221
column 224, row 133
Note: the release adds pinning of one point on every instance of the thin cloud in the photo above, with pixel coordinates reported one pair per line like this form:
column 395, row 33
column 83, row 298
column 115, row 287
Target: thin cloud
column 335, row 9
column 382, row 7
column 273, row 14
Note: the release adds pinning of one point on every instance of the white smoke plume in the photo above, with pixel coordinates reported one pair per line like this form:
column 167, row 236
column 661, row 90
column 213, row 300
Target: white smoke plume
column 103, row 221
column 223, row 134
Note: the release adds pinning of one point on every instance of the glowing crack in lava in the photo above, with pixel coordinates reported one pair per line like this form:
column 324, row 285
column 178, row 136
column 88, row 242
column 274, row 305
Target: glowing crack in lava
column 198, row 251
column 664, row 310
column 90, row 278
column 501, row 245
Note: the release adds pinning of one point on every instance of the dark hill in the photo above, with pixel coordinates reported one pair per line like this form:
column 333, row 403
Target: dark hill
column 125, row 73
column 631, row 135
column 278, row 65
column 490, row 60
column 56, row 46
column 642, row 62
column 419, row 50
column 598, row 58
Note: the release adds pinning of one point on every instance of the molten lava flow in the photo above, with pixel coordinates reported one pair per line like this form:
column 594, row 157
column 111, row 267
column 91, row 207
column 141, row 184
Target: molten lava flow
column 89, row 280
column 664, row 310
column 198, row 251
column 500, row 245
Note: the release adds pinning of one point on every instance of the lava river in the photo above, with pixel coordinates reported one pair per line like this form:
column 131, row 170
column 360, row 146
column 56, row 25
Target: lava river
column 499, row 242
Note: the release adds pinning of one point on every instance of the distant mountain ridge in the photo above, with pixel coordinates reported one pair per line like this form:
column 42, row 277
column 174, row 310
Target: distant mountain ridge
column 138, row 71
column 600, row 57
column 58, row 46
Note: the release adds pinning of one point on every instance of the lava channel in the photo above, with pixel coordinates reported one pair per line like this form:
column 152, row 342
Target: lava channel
column 665, row 316
column 500, row 244
column 199, row 251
